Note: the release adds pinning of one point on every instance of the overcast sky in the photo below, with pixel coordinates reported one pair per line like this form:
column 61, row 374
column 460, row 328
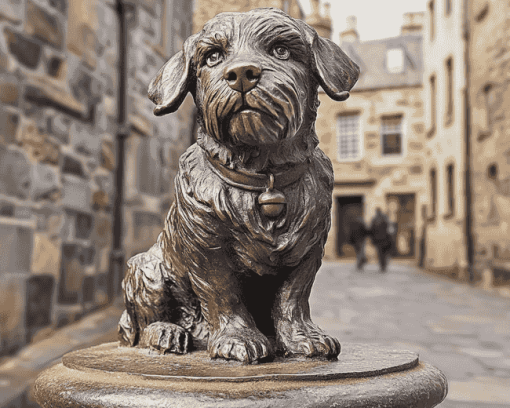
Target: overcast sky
column 376, row 18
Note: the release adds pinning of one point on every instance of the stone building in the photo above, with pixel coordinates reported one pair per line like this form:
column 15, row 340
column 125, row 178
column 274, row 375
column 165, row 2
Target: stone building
column 376, row 138
column 207, row 9
column 445, row 121
column 59, row 77
column 489, row 96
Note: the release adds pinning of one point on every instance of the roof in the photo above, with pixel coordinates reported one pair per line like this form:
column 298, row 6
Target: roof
column 371, row 57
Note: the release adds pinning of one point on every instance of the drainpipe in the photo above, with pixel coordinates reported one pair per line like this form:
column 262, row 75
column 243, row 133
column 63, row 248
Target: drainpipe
column 467, row 140
column 117, row 255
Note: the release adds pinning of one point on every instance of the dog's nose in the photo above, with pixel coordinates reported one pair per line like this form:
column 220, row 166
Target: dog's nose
column 241, row 76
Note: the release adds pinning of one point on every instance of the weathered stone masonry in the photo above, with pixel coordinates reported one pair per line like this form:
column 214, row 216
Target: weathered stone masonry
column 58, row 110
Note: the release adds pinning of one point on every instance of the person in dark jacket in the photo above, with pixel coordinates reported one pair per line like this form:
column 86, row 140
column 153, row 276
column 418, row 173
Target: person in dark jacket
column 357, row 235
column 381, row 237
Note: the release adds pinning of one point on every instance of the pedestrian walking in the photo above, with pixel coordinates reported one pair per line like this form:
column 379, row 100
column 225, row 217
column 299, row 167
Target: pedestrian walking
column 381, row 237
column 357, row 236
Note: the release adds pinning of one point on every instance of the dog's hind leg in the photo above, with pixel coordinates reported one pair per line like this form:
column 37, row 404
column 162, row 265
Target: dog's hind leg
column 152, row 310
column 296, row 334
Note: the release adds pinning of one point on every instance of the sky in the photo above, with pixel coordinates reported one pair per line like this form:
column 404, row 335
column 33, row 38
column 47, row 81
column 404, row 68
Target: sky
column 376, row 18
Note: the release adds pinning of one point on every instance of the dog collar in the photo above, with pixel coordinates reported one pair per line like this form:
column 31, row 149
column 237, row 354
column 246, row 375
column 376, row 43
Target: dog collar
column 259, row 181
column 272, row 201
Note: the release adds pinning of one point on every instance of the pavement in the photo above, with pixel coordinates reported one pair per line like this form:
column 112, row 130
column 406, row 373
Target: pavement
column 18, row 373
column 463, row 330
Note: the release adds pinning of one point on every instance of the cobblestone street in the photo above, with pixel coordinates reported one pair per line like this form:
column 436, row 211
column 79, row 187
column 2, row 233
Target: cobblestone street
column 462, row 330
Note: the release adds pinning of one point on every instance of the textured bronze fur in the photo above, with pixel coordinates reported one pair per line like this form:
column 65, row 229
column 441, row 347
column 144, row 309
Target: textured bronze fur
column 222, row 272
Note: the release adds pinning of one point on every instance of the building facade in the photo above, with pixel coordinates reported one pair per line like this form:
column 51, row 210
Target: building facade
column 489, row 96
column 445, row 120
column 59, row 77
column 376, row 139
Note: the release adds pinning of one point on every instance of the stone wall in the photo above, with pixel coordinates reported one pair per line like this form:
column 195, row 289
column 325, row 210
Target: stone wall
column 489, row 61
column 58, row 110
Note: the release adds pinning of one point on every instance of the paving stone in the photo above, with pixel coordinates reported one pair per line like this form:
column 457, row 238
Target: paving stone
column 26, row 51
column 43, row 25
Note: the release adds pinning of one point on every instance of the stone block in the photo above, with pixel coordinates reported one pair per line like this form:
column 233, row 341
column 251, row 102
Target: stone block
column 7, row 209
column 9, row 90
column 71, row 275
column 60, row 5
column 38, row 305
column 85, row 140
column 12, row 311
column 85, row 88
column 73, row 166
column 9, row 123
column 43, row 25
column 26, row 51
column 37, row 144
column 77, row 224
column 15, row 248
column 14, row 173
column 46, row 182
column 76, row 194
column 107, row 155
column 58, row 125
column 82, row 24
column 12, row 11
column 47, row 255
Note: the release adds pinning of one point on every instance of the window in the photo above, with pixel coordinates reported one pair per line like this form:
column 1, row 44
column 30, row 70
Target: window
column 395, row 60
column 433, row 193
column 432, row 81
column 450, row 190
column 431, row 15
column 449, row 91
column 349, row 141
column 448, row 7
column 391, row 134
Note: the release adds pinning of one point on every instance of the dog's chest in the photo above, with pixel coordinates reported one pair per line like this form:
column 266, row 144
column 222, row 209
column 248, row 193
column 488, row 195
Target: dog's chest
column 234, row 217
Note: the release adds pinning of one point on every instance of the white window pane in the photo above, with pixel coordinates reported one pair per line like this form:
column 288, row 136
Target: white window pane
column 348, row 137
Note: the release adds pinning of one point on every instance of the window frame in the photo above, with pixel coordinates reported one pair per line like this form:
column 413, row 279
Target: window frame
column 448, row 7
column 433, row 193
column 450, row 190
column 359, row 156
column 383, row 134
column 433, row 104
column 431, row 10
column 449, row 88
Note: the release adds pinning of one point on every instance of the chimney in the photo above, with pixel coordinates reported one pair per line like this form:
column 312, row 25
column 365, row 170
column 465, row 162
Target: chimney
column 413, row 23
column 350, row 34
column 321, row 24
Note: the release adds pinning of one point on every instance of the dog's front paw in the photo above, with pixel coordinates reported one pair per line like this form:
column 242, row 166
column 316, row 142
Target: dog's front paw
column 306, row 339
column 243, row 344
column 165, row 338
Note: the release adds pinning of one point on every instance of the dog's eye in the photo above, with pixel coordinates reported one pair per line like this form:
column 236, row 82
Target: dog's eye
column 213, row 58
column 281, row 52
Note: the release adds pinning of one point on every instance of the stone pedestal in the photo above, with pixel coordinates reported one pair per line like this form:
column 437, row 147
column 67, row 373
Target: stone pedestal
column 364, row 376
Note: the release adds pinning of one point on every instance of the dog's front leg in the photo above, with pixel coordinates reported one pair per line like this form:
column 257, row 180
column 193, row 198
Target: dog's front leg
column 233, row 333
column 296, row 334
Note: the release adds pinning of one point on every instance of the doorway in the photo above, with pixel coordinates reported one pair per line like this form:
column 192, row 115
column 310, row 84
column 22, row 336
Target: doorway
column 402, row 210
column 348, row 208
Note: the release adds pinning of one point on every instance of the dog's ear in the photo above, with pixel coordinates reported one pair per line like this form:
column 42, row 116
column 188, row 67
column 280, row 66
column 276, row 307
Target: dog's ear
column 172, row 83
column 335, row 71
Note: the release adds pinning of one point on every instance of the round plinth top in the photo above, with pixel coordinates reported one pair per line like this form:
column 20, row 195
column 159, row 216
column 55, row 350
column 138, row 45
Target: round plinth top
column 355, row 361
column 363, row 376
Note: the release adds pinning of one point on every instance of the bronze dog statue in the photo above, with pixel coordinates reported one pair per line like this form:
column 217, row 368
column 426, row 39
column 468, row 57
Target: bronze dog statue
column 244, row 238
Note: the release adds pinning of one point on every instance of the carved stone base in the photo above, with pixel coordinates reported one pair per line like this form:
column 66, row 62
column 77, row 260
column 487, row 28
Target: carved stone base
column 364, row 376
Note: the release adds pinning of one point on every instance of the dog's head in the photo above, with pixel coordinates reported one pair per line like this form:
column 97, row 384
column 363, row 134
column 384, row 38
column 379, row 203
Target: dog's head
column 254, row 76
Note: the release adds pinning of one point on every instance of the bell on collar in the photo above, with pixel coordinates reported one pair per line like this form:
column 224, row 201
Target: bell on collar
column 271, row 201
